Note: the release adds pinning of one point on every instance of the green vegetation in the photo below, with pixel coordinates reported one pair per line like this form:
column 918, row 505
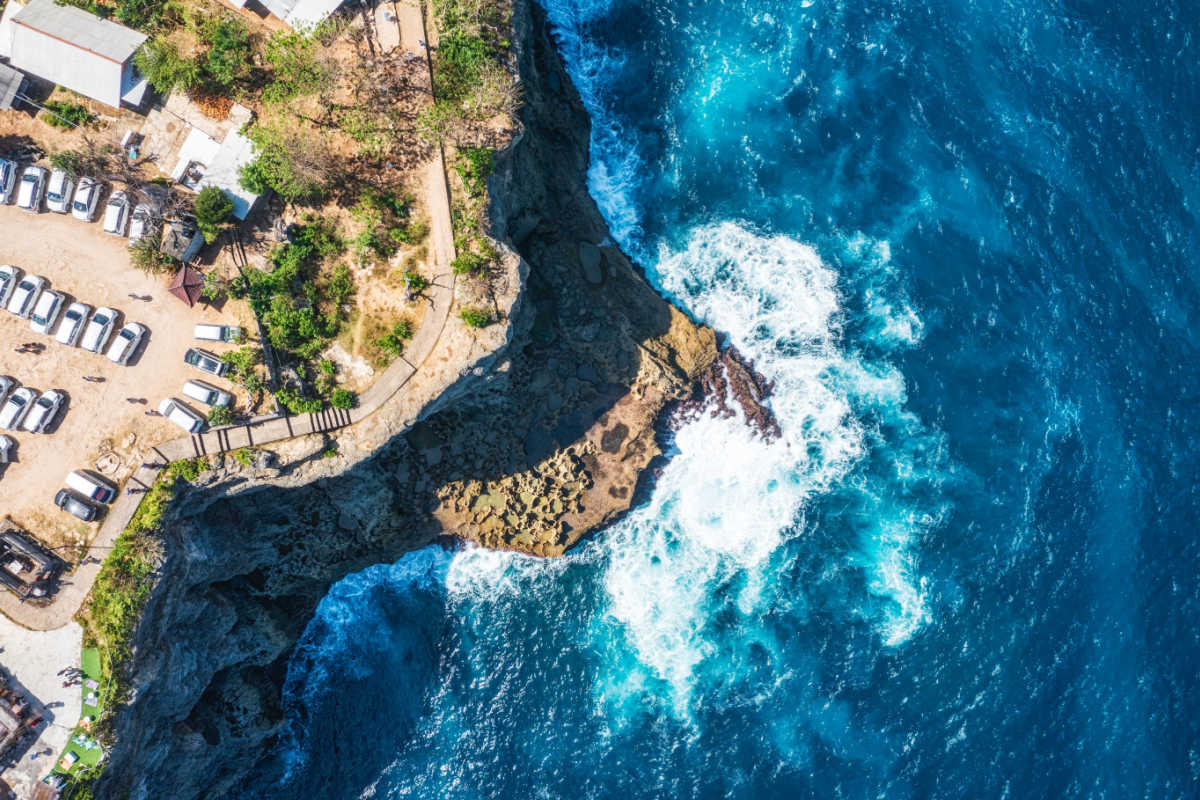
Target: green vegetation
column 472, row 83
column 147, row 255
column 415, row 281
column 392, row 344
column 287, row 162
column 245, row 455
column 141, row 14
column 222, row 62
column 386, row 221
column 343, row 399
column 474, row 167
column 474, row 318
column 213, row 209
column 220, row 415
column 124, row 581
column 61, row 114
column 296, row 67
column 68, row 161
column 242, row 364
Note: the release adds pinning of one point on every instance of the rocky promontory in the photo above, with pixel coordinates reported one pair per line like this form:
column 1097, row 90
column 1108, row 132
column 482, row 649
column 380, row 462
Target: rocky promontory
column 540, row 441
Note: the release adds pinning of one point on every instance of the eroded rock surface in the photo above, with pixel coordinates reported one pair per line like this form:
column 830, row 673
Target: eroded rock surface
column 540, row 442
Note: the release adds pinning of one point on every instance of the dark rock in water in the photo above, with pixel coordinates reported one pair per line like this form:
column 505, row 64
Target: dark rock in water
column 731, row 383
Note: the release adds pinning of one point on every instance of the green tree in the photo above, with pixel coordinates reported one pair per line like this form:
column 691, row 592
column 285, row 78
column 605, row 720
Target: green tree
column 165, row 69
column 296, row 69
column 213, row 209
column 228, row 59
column 474, row 318
column 220, row 415
column 343, row 399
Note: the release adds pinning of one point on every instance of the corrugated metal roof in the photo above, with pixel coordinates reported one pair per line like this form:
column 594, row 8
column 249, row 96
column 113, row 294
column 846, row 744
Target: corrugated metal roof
column 10, row 84
column 81, row 29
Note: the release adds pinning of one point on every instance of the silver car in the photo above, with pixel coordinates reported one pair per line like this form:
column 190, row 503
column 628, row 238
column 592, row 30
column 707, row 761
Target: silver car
column 43, row 411
column 9, row 275
column 73, row 320
column 6, row 385
column 116, row 214
column 45, row 312
column 125, row 343
column 206, row 393
column 205, row 361
column 15, row 408
column 26, row 294
column 96, row 334
column 181, row 415
column 87, row 198
column 8, row 449
column 141, row 222
column 8, row 180
column 59, row 192
column 33, row 186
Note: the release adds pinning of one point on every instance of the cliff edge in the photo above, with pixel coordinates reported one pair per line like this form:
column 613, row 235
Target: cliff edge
column 542, row 440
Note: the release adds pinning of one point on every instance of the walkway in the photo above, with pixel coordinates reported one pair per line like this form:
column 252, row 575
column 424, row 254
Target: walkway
column 267, row 430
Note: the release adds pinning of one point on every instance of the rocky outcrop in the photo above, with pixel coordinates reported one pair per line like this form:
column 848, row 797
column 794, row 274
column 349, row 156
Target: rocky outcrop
column 540, row 442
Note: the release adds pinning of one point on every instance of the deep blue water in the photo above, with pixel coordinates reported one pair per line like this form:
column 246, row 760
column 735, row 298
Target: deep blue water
column 961, row 238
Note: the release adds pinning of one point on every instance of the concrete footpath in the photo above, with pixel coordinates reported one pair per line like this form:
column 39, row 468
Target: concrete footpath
column 267, row 430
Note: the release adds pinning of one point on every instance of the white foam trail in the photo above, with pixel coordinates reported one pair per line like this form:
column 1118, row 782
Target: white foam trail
column 728, row 499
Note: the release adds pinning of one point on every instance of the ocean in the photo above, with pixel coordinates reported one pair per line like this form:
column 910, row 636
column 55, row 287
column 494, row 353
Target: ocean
column 960, row 238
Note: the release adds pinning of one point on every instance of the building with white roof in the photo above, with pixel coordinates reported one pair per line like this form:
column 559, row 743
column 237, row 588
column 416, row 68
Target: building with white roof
column 75, row 49
column 300, row 14
column 205, row 162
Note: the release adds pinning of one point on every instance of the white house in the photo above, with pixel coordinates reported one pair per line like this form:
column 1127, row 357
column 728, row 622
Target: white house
column 300, row 14
column 74, row 49
column 205, row 162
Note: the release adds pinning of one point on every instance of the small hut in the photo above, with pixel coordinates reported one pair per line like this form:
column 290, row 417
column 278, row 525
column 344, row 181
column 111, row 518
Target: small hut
column 187, row 285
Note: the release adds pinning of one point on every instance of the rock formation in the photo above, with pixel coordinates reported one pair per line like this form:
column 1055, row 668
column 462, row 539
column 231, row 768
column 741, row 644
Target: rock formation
column 540, row 443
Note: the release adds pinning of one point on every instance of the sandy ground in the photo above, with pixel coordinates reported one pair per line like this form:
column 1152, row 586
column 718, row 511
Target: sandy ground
column 98, row 429
column 35, row 660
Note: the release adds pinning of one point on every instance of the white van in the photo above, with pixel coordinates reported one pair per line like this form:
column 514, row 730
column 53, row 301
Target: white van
column 93, row 487
column 181, row 415
column 206, row 393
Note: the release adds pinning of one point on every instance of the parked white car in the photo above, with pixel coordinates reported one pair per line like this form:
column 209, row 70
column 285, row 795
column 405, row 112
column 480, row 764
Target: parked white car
column 9, row 275
column 73, row 320
column 217, row 333
column 59, row 192
column 91, row 486
column 125, row 343
column 8, row 180
column 87, row 198
column 15, row 408
column 96, row 334
column 206, row 393
column 26, row 294
column 181, row 415
column 43, row 411
column 33, row 186
column 45, row 312
column 6, row 385
column 116, row 214
column 8, row 449
column 141, row 222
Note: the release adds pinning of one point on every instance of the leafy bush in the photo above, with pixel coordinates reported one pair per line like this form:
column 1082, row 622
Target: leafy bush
column 296, row 403
column 343, row 399
column 60, row 114
column 141, row 14
column 220, row 415
column 415, row 281
column 392, row 344
column 474, row 167
column 228, row 58
column 295, row 67
column 68, row 161
column 147, row 255
column 213, row 208
column 474, row 318
column 165, row 69
column 292, row 166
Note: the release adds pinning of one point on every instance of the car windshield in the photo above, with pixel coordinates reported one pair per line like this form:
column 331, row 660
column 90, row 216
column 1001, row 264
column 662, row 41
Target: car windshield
column 55, row 196
column 29, row 178
column 17, row 400
column 80, row 205
column 100, row 319
column 126, row 333
column 73, row 314
column 27, row 285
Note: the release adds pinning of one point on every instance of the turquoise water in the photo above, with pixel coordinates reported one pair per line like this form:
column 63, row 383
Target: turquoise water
column 960, row 239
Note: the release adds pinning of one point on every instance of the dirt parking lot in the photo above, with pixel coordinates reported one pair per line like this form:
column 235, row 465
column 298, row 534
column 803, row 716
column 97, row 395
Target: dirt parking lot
column 99, row 428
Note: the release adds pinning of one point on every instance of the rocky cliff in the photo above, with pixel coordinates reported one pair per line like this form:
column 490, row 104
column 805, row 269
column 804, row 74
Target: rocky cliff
column 541, row 442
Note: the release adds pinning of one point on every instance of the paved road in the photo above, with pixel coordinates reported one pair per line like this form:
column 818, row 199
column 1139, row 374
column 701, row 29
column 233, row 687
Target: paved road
column 264, row 431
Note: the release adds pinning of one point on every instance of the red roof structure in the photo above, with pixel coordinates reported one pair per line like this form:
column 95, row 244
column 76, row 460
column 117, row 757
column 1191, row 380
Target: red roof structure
column 187, row 285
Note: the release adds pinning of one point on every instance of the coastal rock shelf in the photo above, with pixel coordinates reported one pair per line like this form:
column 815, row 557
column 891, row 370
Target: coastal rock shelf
column 538, row 435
